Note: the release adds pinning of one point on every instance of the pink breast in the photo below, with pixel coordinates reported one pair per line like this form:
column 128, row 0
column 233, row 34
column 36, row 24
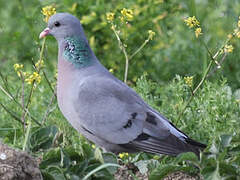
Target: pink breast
column 65, row 79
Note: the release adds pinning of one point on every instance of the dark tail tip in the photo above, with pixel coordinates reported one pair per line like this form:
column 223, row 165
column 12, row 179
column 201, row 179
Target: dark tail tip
column 196, row 147
column 196, row 144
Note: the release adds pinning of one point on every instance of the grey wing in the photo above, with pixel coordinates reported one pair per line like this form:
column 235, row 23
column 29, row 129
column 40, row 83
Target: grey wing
column 115, row 113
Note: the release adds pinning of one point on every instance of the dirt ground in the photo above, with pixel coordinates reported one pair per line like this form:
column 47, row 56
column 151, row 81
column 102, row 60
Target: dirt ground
column 17, row 165
column 123, row 174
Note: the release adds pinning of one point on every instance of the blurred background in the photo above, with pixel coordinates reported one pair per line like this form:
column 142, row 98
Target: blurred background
column 174, row 49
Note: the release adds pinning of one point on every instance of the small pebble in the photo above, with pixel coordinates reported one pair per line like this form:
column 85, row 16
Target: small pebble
column 3, row 156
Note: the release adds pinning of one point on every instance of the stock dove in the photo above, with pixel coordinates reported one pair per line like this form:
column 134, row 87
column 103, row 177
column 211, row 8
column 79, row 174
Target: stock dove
column 101, row 107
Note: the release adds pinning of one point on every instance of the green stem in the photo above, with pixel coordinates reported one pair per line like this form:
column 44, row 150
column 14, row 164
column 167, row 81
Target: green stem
column 220, row 64
column 42, row 49
column 195, row 90
column 48, row 108
column 5, row 92
column 22, row 99
column 30, row 96
column 204, row 77
column 49, row 84
column 33, row 83
column 139, row 49
column 46, row 78
column 192, row 7
column 126, row 66
column 11, row 113
column 8, row 94
column 213, row 59
column 121, row 46
column 4, row 81
column 27, row 136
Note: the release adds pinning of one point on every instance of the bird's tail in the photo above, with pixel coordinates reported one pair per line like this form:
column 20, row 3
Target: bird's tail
column 170, row 146
column 196, row 146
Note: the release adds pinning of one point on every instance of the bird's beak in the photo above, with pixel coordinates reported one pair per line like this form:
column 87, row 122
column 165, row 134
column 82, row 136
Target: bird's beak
column 44, row 33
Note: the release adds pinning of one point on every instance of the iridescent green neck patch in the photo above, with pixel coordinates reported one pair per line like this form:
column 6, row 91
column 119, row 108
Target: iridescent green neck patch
column 77, row 52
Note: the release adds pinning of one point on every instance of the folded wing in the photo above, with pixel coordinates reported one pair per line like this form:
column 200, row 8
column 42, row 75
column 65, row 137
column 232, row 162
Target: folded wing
column 115, row 113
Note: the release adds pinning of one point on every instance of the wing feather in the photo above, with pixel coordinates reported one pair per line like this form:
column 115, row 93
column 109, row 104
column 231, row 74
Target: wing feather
column 115, row 113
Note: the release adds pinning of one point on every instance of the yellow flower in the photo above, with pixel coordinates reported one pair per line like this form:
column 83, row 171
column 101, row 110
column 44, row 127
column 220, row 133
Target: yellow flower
column 192, row 22
column 122, row 155
column 127, row 14
column 25, row 74
column 198, row 32
column 228, row 48
column 111, row 70
column 237, row 32
column 17, row 66
column 151, row 34
column 189, row 80
column 33, row 77
column 93, row 146
column 229, row 36
column 110, row 16
column 39, row 64
column 48, row 11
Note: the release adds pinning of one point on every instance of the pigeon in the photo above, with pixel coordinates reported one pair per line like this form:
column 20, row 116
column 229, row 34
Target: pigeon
column 101, row 107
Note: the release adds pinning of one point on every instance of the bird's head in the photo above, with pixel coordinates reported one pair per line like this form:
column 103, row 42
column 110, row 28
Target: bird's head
column 62, row 25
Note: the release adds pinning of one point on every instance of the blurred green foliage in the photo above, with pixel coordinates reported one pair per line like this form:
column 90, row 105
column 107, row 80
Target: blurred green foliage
column 212, row 117
column 175, row 50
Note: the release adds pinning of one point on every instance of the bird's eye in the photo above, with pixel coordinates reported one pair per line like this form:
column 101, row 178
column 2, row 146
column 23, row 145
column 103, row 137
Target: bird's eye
column 57, row 24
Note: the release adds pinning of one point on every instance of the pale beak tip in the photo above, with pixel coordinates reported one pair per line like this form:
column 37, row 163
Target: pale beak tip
column 44, row 33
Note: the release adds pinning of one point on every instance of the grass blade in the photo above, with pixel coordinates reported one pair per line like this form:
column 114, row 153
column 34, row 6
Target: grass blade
column 99, row 168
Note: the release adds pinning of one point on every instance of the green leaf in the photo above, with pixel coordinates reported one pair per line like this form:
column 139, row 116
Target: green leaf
column 98, row 155
column 43, row 138
column 47, row 175
column 142, row 166
column 110, row 158
column 56, row 172
column 88, row 150
column 228, row 168
column 51, row 157
column 225, row 140
column 214, row 175
column 213, row 149
column 75, row 177
column 65, row 159
column 79, row 168
column 189, row 156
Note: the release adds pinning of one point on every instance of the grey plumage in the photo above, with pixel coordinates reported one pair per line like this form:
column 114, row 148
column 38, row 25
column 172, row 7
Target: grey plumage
column 101, row 107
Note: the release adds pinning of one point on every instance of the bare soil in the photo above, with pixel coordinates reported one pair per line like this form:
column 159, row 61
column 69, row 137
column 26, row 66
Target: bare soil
column 17, row 165
column 123, row 173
